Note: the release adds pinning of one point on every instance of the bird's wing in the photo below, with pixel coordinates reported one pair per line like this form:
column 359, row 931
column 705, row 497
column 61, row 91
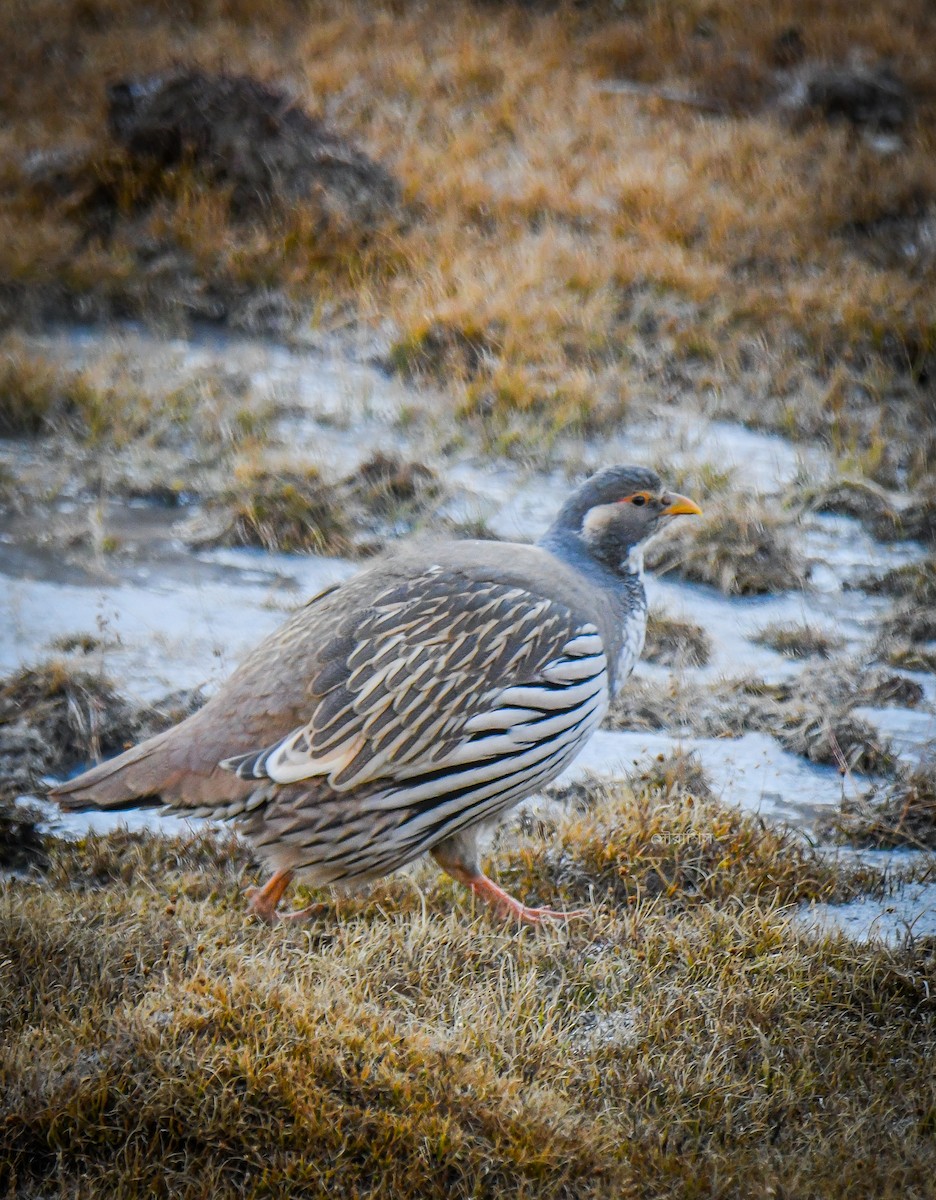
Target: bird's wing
column 440, row 670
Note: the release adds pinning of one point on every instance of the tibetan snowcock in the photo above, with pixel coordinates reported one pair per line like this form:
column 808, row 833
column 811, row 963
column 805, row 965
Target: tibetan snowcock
column 400, row 711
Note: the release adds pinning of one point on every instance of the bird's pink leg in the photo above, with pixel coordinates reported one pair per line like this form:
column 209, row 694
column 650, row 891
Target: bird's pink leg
column 487, row 890
column 506, row 906
column 263, row 901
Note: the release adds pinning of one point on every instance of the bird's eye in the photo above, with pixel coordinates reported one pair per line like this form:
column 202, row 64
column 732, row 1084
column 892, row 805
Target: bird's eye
column 639, row 500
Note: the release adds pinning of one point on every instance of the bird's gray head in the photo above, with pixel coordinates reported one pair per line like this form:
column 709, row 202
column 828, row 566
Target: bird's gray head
column 614, row 512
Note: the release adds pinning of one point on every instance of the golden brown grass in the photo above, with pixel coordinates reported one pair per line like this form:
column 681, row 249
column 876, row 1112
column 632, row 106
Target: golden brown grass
column 684, row 1040
column 564, row 248
column 281, row 509
column 104, row 403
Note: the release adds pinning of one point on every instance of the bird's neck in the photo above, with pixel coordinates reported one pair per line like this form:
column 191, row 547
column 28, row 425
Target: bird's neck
column 616, row 565
column 623, row 589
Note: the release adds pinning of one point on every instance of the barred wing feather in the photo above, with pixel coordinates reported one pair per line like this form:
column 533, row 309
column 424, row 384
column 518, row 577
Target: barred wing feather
column 443, row 673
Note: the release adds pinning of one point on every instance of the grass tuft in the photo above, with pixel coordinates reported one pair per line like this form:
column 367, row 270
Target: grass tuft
column 905, row 815
column 299, row 510
column 741, row 551
column 914, row 582
column 911, row 658
column 56, row 715
column 60, row 715
column 915, row 520
column 289, row 511
column 798, row 640
column 664, row 841
column 811, row 715
column 673, row 642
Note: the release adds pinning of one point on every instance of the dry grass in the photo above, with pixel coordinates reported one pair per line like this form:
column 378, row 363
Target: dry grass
column 673, row 642
column 294, row 509
column 909, row 626
column 905, row 815
column 680, row 773
column 811, row 715
column 798, row 640
column 915, row 582
column 911, row 658
column 105, row 405
column 743, row 549
column 563, row 248
column 59, row 715
column 909, row 621
column 278, row 509
column 683, row 1040
column 916, row 519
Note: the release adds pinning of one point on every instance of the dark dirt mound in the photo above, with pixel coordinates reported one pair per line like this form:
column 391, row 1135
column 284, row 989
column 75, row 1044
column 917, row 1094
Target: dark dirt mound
column 915, row 519
column 251, row 137
column 870, row 97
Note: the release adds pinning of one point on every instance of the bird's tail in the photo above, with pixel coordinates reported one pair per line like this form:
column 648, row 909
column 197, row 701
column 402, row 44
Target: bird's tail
column 134, row 779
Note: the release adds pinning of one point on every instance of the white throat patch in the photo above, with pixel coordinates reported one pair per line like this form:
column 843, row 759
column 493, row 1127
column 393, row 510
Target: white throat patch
column 634, row 561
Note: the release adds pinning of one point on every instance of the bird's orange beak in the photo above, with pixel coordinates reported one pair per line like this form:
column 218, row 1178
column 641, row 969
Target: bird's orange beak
column 677, row 505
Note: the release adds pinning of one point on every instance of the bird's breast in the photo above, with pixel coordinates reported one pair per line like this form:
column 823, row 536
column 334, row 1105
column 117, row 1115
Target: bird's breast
column 633, row 634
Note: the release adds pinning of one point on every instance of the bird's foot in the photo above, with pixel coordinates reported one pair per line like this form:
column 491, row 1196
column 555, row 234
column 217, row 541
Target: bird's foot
column 263, row 901
column 260, row 907
column 512, row 910
column 302, row 914
column 271, row 915
column 539, row 916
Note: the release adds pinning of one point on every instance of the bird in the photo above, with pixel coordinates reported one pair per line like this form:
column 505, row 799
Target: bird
column 403, row 710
